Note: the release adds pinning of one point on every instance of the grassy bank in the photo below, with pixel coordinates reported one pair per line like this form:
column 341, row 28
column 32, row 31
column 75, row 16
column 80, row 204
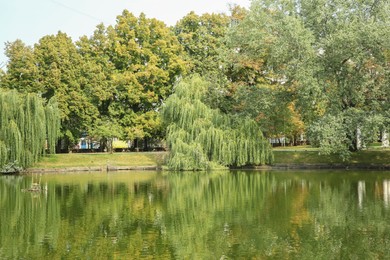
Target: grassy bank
column 59, row 161
column 286, row 155
column 292, row 155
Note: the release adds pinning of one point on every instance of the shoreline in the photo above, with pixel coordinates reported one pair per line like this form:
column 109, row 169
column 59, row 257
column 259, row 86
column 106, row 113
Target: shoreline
column 276, row 166
column 325, row 166
column 154, row 161
column 92, row 169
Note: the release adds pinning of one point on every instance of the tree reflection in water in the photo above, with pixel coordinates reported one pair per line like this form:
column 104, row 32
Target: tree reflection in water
column 197, row 215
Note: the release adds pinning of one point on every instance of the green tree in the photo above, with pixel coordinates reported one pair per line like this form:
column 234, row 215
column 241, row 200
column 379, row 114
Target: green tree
column 147, row 62
column 28, row 129
column 353, row 69
column 329, row 57
column 202, row 38
column 21, row 70
column 262, row 86
column 201, row 138
column 118, row 77
column 62, row 74
column 99, row 85
column 55, row 68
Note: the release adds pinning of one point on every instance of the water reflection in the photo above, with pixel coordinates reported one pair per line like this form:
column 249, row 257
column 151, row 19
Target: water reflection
column 386, row 192
column 196, row 215
column 361, row 192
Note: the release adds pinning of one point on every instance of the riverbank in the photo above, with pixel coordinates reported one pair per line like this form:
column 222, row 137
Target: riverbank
column 285, row 158
column 307, row 155
column 93, row 162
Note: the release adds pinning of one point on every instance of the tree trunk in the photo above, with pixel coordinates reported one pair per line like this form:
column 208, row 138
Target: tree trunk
column 103, row 144
column 146, row 144
column 62, row 145
column 358, row 139
column 385, row 139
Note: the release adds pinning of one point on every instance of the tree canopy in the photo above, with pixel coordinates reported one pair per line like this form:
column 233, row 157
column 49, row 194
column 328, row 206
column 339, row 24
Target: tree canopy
column 202, row 138
column 292, row 66
column 330, row 58
column 115, row 79
column 28, row 129
column 147, row 61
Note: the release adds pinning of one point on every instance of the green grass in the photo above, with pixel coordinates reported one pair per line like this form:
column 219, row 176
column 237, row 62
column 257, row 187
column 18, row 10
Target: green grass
column 100, row 160
column 283, row 155
column 309, row 155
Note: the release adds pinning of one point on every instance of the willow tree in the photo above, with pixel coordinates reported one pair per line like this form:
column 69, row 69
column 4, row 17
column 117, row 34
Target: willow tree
column 27, row 128
column 201, row 138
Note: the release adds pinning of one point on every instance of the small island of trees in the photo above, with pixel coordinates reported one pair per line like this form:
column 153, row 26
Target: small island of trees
column 215, row 87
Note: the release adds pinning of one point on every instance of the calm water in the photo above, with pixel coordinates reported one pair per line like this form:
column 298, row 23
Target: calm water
column 222, row 215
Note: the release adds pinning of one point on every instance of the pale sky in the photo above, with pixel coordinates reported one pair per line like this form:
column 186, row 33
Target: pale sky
column 30, row 20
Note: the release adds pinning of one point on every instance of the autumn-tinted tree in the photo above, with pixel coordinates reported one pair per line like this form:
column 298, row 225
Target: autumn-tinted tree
column 147, row 62
column 273, row 109
column 259, row 73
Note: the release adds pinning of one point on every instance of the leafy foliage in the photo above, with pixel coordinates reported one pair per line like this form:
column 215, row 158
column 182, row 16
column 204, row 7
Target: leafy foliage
column 27, row 128
column 290, row 65
column 202, row 37
column 118, row 76
column 330, row 58
column 61, row 74
column 147, row 60
column 201, row 138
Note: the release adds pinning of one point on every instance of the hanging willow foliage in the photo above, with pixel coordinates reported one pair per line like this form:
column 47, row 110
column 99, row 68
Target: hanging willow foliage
column 53, row 124
column 201, row 138
column 26, row 127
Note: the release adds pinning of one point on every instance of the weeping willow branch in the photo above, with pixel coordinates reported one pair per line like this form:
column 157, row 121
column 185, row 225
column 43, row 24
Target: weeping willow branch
column 26, row 128
column 201, row 138
column 53, row 124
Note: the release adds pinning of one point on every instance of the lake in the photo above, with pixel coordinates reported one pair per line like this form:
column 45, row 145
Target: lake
column 218, row 215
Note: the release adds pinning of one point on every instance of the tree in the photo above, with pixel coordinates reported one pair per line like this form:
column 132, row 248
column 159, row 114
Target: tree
column 353, row 69
column 21, row 68
column 99, row 85
column 201, row 138
column 260, row 72
column 29, row 128
column 202, row 38
column 330, row 56
column 272, row 108
column 119, row 76
column 97, row 75
column 54, row 68
column 147, row 62
column 62, row 74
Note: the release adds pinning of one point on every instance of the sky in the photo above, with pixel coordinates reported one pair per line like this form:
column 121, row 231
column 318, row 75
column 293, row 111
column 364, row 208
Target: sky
column 30, row 20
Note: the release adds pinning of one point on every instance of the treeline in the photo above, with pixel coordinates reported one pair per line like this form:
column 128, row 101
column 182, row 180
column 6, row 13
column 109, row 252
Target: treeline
column 297, row 66
column 110, row 84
